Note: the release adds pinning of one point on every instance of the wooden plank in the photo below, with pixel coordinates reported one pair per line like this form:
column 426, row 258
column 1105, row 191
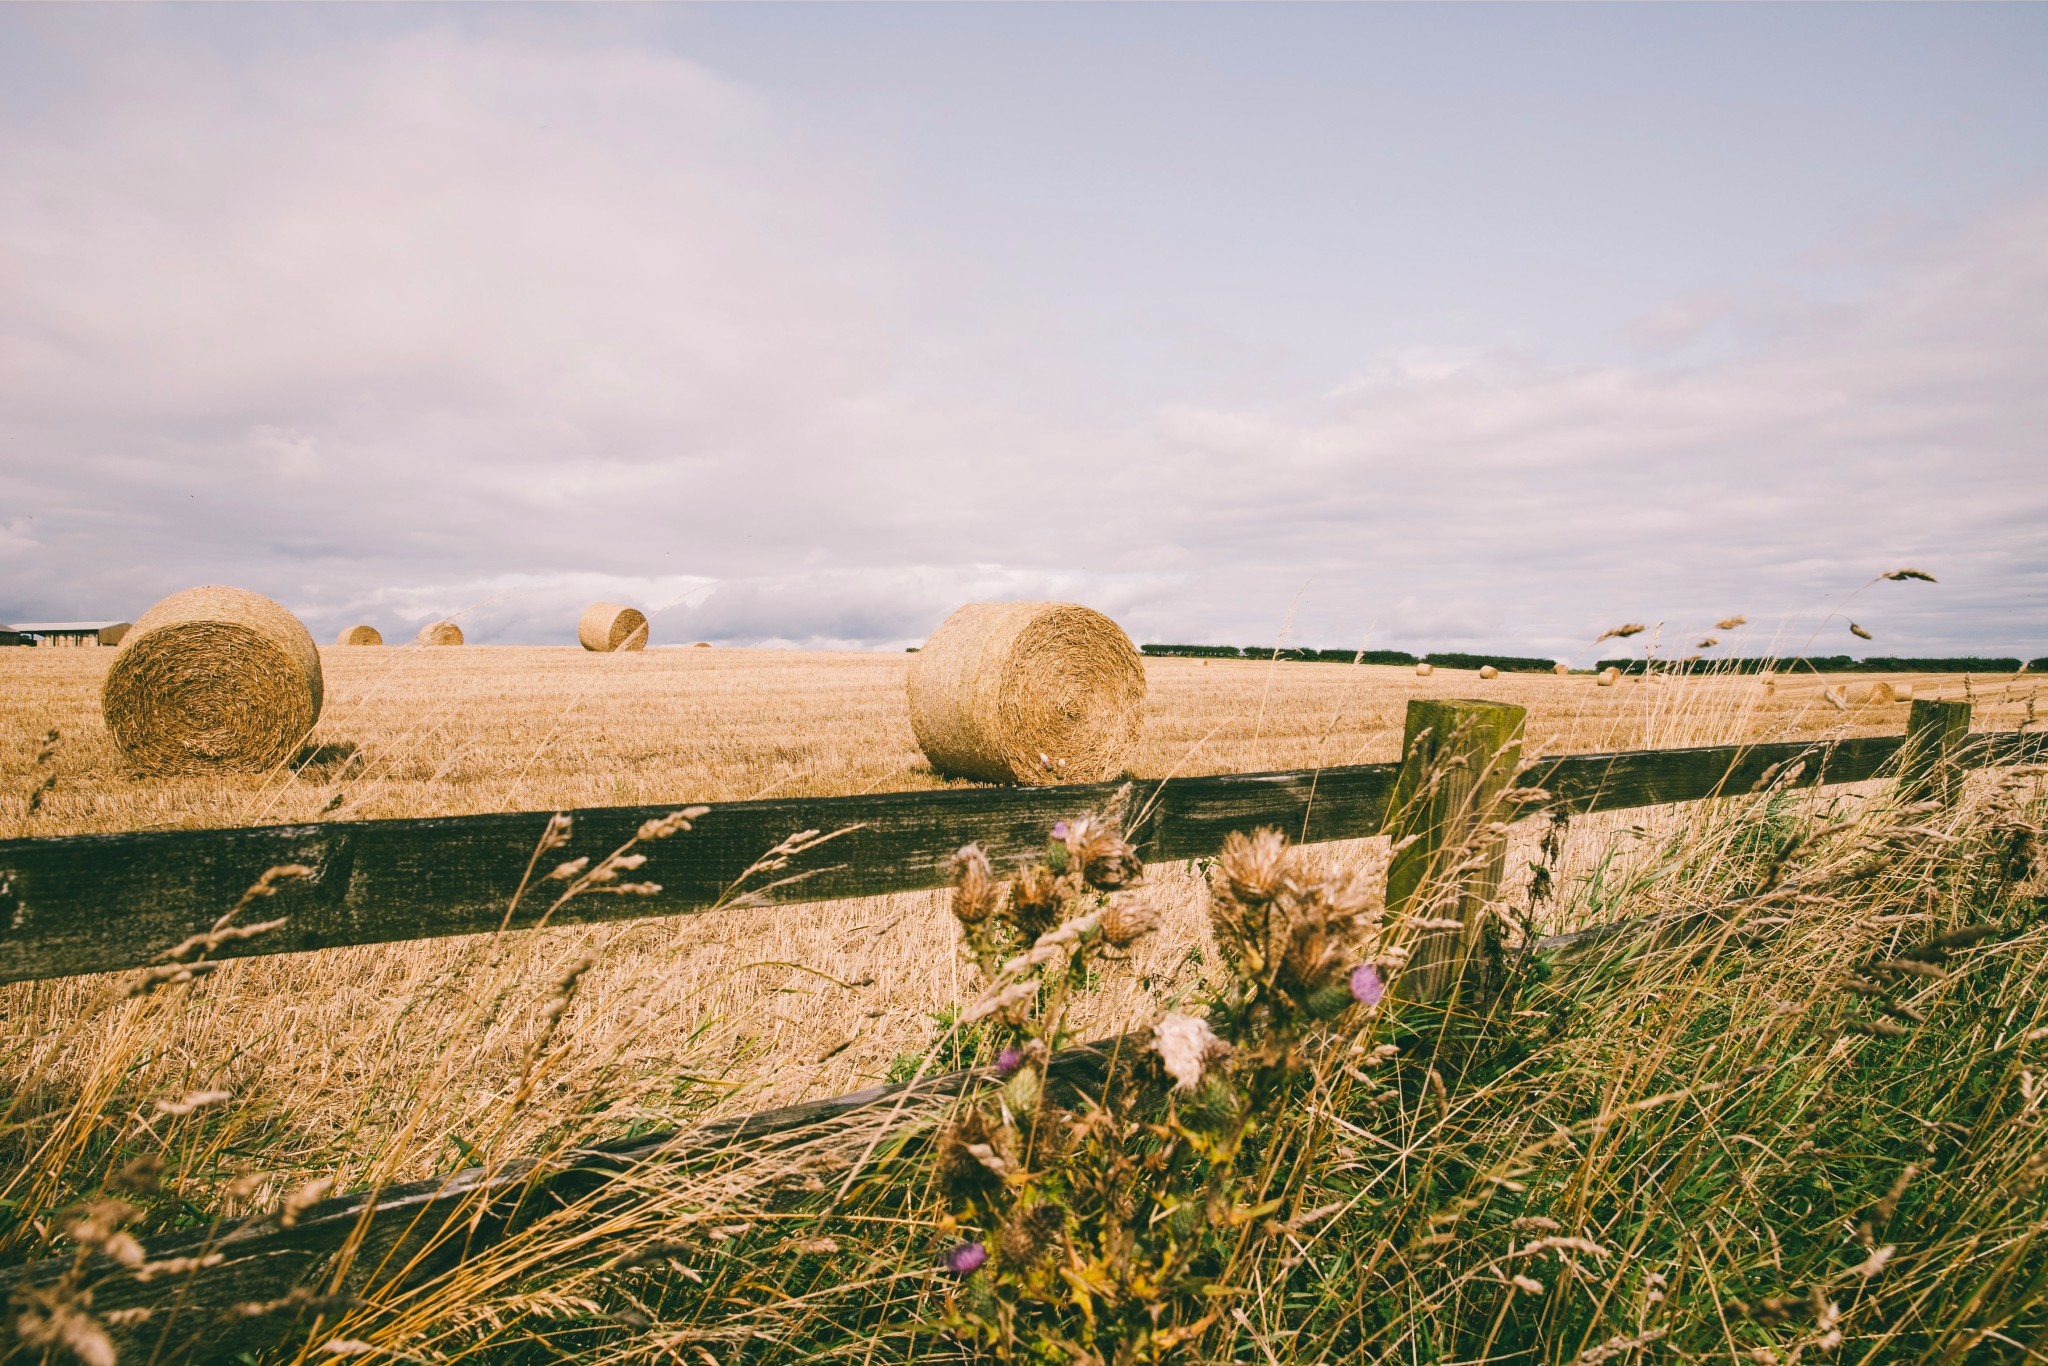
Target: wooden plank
column 100, row 903
column 1935, row 735
column 1579, row 783
column 387, row 1239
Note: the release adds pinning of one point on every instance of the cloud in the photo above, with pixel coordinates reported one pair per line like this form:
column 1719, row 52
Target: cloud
column 400, row 327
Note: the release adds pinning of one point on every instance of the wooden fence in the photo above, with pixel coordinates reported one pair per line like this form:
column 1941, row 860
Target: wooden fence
column 98, row 903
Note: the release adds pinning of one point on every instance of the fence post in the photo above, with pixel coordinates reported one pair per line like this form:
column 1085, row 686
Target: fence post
column 1927, row 769
column 1457, row 759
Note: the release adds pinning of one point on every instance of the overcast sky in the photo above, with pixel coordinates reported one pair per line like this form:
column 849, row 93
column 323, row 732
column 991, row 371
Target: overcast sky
column 1433, row 328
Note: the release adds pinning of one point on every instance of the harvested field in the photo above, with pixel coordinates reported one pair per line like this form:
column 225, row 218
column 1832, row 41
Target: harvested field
column 417, row 732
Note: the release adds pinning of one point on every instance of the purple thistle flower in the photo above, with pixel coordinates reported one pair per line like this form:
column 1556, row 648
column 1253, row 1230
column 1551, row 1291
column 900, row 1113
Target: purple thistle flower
column 1009, row 1060
column 966, row 1259
column 1059, row 830
column 1367, row 986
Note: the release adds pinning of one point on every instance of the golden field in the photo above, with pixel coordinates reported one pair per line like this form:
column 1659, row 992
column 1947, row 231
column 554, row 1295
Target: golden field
column 383, row 1062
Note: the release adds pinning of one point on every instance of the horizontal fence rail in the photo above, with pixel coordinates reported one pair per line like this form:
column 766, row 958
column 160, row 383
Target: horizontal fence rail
column 99, row 903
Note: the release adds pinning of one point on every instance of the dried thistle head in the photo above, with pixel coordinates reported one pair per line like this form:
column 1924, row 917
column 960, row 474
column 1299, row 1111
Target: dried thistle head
column 976, row 892
column 1184, row 1044
column 1252, row 870
column 1128, row 920
column 1036, row 899
column 1097, row 849
column 1031, row 1235
column 964, row 1156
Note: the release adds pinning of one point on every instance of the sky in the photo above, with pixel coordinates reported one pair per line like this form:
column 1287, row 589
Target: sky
column 1430, row 328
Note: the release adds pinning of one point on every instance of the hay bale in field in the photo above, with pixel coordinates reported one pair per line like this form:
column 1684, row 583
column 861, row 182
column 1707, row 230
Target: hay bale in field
column 1027, row 692
column 360, row 635
column 1608, row 677
column 700, row 644
column 441, row 633
column 1902, row 692
column 1424, row 669
column 1488, row 671
column 213, row 678
column 608, row 626
column 1561, row 670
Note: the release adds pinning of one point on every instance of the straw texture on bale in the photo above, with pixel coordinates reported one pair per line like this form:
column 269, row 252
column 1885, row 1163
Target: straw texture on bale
column 608, row 626
column 213, row 678
column 441, row 633
column 1609, row 676
column 1488, row 671
column 1028, row 692
column 360, row 635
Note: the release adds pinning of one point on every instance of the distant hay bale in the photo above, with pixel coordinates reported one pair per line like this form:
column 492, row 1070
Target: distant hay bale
column 1027, row 692
column 213, row 678
column 1424, row 670
column 700, row 644
column 1902, row 692
column 1488, row 671
column 1608, row 677
column 1561, row 669
column 441, row 633
column 608, row 626
column 360, row 635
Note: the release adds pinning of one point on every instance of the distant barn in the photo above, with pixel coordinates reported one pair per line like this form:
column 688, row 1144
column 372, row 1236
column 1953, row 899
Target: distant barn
column 72, row 632
column 10, row 636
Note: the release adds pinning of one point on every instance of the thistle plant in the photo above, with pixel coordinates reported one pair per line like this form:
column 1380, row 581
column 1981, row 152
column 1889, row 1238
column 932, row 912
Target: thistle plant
column 1095, row 1224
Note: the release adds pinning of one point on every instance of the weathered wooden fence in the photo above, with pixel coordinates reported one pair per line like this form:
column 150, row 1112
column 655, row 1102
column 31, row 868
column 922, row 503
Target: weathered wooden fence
column 100, row 903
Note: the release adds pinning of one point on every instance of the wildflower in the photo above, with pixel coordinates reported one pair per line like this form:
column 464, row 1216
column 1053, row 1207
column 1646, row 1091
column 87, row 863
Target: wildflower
column 1009, row 1060
column 1059, row 829
column 1367, row 986
column 966, row 1259
column 1098, row 849
column 1184, row 1043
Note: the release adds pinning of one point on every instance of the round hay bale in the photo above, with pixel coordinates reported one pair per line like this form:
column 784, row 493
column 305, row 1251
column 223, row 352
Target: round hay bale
column 608, row 626
column 360, row 635
column 441, row 633
column 1027, row 692
column 1561, row 670
column 1608, row 677
column 1902, row 692
column 1424, row 670
column 700, row 644
column 1488, row 671
column 213, row 678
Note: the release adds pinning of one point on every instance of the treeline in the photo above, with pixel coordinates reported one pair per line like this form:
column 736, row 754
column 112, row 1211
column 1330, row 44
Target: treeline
column 1832, row 664
column 1446, row 660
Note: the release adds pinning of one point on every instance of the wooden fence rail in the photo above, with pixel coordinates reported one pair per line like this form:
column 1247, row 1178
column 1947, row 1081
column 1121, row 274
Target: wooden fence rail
column 94, row 903
column 100, row 903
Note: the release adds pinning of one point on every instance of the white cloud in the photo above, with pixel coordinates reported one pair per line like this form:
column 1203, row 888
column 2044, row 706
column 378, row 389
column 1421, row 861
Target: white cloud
column 449, row 323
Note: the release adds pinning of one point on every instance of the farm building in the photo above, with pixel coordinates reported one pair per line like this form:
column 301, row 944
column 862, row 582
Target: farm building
column 10, row 636
column 71, row 632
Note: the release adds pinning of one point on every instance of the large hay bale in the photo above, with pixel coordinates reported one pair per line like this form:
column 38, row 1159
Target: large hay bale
column 1608, row 677
column 1424, row 669
column 608, row 626
column 1488, row 671
column 360, row 635
column 213, row 678
column 441, row 633
column 1028, row 692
